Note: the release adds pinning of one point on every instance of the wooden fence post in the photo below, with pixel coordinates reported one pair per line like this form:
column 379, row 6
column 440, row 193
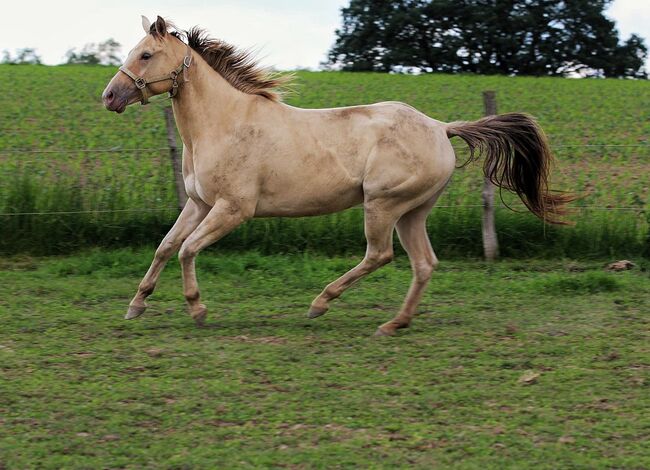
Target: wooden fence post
column 490, row 241
column 176, row 157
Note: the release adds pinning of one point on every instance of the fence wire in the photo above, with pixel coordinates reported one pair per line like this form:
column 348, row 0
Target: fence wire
column 172, row 208
column 11, row 151
column 15, row 151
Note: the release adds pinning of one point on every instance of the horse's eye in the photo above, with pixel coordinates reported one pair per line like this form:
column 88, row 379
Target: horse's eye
column 146, row 56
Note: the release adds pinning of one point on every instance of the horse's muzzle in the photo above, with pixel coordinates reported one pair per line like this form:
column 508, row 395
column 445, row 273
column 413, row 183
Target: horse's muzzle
column 113, row 101
column 117, row 98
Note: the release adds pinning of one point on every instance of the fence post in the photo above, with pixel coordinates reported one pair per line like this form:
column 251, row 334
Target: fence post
column 490, row 241
column 176, row 158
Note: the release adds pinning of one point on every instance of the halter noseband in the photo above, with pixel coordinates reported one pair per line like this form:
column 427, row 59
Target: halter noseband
column 141, row 82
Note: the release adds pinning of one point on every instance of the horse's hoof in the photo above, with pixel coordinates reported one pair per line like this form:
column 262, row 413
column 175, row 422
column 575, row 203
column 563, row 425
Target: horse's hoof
column 315, row 312
column 135, row 311
column 382, row 332
column 199, row 315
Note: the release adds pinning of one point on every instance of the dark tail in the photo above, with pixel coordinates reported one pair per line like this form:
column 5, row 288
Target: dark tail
column 517, row 158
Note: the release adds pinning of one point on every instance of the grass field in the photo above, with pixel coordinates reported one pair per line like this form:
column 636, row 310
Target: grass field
column 520, row 364
column 58, row 108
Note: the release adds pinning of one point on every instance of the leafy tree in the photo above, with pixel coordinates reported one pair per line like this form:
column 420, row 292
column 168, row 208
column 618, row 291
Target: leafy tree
column 104, row 53
column 25, row 55
column 514, row 37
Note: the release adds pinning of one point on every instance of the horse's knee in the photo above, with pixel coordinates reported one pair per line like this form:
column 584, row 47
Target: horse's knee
column 424, row 269
column 186, row 253
column 164, row 251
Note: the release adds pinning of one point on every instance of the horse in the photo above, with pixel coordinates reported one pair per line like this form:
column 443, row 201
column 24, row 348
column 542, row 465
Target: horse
column 247, row 154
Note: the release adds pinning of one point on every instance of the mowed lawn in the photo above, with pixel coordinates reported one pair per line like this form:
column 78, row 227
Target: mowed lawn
column 520, row 364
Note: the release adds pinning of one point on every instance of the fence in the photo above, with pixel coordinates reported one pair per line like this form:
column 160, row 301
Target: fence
column 155, row 217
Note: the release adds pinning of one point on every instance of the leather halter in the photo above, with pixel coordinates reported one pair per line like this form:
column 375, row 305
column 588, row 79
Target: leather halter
column 141, row 82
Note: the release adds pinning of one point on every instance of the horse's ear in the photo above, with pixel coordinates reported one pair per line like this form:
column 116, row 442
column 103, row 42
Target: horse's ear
column 161, row 26
column 146, row 24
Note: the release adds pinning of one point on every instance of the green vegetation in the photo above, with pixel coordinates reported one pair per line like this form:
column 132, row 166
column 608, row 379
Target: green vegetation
column 51, row 108
column 513, row 38
column 516, row 364
column 535, row 364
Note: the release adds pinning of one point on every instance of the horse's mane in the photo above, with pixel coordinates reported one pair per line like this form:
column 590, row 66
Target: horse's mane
column 238, row 67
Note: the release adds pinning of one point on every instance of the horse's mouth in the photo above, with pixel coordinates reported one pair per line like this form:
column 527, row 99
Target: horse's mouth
column 117, row 106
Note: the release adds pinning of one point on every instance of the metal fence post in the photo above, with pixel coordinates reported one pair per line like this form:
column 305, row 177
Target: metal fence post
column 175, row 157
column 490, row 240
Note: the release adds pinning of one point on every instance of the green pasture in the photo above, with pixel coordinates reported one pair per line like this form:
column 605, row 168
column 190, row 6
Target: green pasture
column 518, row 364
column 51, row 115
column 524, row 363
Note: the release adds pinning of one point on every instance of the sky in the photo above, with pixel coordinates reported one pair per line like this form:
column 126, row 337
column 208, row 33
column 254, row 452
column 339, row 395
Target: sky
column 287, row 34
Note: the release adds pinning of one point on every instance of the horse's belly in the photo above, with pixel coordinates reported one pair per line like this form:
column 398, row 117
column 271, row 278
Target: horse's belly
column 306, row 199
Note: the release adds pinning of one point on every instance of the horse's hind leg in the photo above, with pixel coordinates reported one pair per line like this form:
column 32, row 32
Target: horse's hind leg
column 412, row 232
column 379, row 225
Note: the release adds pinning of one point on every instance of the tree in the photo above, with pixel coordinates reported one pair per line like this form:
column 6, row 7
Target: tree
column 26, row 55
column 629, row 55
column 104, row 53
column 514, row 37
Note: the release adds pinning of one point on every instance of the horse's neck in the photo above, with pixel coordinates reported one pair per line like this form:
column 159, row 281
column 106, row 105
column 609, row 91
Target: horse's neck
column 205, row 103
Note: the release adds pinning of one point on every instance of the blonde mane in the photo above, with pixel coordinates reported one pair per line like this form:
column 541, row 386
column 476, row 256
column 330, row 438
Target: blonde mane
column 237, row 66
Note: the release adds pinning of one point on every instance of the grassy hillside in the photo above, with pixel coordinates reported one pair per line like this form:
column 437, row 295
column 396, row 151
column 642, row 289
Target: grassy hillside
column 50, row 114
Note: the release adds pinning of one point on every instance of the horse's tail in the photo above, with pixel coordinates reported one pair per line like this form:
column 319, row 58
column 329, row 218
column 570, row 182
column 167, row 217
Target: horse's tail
column 517, row 158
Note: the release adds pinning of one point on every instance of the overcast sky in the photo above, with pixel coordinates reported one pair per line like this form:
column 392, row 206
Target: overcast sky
column 288, row 33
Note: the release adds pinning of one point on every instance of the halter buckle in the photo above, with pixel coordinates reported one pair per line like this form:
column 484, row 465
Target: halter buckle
column 140, row 83
column 187, row 61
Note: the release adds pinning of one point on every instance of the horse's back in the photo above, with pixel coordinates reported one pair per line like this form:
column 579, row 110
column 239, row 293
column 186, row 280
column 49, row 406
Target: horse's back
column 330, row 159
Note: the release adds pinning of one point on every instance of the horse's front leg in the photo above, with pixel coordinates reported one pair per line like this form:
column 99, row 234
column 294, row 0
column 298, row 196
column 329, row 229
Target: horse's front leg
column 224, row 217
column 190, row 217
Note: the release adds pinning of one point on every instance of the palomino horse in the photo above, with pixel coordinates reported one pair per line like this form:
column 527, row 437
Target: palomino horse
column 246, row 154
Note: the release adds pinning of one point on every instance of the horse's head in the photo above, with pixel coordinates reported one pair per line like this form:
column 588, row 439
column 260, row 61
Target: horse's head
column 153, row 67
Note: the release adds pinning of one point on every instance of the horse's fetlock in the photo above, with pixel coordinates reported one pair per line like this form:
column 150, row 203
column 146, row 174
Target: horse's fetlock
column 192, row 296
column 146, row 290
column 328, row 294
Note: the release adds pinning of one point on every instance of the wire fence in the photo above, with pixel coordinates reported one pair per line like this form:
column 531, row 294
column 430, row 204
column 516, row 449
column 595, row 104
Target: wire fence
column 159, row 149
column 584, row 208
column 10, row 152
column 173, row 208
column 90, row 150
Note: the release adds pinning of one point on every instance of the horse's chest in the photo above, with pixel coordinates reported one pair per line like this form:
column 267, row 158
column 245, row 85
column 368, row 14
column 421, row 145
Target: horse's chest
column 191, row 187
column 214, row 176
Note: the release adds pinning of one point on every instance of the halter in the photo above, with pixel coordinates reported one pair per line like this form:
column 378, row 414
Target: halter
column 141, row 82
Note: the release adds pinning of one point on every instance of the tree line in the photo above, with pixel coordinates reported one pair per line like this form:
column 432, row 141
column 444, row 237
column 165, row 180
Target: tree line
column 103, row 53
column 511, row 37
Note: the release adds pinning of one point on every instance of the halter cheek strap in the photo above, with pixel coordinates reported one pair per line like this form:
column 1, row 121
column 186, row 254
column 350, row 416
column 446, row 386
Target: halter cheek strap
column 142, row 83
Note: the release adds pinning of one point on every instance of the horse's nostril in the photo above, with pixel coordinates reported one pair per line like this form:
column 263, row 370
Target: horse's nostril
column 110, row 95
